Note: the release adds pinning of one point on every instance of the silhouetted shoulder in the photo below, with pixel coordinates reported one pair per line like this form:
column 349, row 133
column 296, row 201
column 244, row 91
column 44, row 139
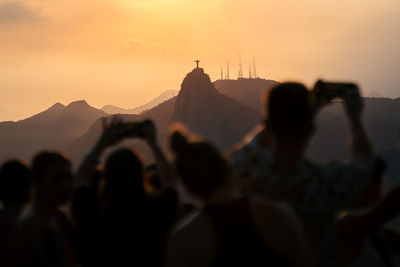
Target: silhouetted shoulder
column 38, row 242
column 191, row 226
column 267, row 206
column 29, row 222
column 280, row 229
column 192, row 242
column 272, row 213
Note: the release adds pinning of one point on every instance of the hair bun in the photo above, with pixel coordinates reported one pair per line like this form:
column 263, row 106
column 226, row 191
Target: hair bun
column 179, row 143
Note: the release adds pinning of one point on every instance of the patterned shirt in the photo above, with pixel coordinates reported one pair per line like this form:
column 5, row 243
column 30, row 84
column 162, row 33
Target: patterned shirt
column 316, row 193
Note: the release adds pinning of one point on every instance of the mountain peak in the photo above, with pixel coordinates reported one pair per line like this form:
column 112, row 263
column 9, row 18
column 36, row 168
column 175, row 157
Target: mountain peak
column 78, row 104
column 215, row 116
column 56, row 106
column 197, row 85
column 81, row 107
column 55, row 109
column 197, row 70
column 196, row 90
column 196, row 73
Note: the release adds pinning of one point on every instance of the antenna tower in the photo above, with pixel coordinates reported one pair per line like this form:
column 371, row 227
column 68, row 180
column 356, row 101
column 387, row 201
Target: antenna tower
column 227, row 70
column 254, row 68
column 240, row 74
column 250, row 71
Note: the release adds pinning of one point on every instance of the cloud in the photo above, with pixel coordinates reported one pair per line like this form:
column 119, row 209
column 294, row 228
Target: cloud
column 140, row 42
column 15, row 12
column 136, row 42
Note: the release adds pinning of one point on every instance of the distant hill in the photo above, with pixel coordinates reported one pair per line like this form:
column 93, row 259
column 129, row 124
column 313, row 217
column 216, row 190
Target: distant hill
column 204, row 111
column 374, row 94
column 222, row 118
column 50, row 129
column 246, row 91
column 207, row 112
column 160, row 114
column 382, row 121
column 159, row 99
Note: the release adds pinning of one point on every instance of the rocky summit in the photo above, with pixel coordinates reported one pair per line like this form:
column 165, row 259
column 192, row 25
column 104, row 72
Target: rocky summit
column 211, row 114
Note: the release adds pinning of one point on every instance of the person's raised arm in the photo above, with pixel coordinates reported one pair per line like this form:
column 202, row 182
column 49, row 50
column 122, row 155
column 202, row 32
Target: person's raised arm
column 111, row 135
column 165, row 170
column 347, row 182
column 360, row 145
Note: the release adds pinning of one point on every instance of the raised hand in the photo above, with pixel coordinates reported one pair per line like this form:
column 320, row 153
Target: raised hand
column 318, row 102
column 112, row 133
column 353, row 103
column 149, row 132
column 113, row 130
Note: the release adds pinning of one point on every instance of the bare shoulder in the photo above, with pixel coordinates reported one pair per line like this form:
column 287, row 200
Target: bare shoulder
column 277, row 226
column 192, row 241
column 191, row 223
column 272, row 211
column 31, row 225
column 273, row 219
column 196, row 228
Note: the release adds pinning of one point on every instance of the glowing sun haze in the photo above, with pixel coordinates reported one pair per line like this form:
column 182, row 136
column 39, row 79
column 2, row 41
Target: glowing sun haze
column 126, row 52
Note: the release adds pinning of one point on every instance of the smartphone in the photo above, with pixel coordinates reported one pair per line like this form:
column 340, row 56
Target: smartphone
column 329, row 91
column 137, row 129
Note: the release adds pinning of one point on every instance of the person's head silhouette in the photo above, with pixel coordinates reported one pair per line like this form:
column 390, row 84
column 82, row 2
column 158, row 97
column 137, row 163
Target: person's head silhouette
column 290, row 113
column 14, row 183
column 202, row 168
column 124, row 172
column 52, row 177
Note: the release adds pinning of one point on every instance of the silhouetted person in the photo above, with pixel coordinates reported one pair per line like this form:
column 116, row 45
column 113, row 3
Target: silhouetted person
column 124, row 210
column 152, row 178
column 133, row 223
column 85, row 211
column 362, row 239
column 84, row 206
column 14, row 183
column 272, row 164
column 14, row 194
column 228, row 229
column 40, row 239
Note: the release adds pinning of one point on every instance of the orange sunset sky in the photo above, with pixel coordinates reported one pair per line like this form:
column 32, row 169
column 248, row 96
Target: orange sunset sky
column 126, row 52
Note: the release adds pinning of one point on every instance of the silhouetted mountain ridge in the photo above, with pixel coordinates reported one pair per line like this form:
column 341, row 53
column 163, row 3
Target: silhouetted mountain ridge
column 248, row 91
column 199, row 105
column 211, row 114
column 111, row 109
column 206, row 112
column 52, row 111
column 160, row 114
column 381, row 120
column 375, row 94
column 50, row 129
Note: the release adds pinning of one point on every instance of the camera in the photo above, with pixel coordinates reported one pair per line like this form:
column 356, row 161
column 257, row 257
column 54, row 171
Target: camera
column 138, row 129
column 328, row 91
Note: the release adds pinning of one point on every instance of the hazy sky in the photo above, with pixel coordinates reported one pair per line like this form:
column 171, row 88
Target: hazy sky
column 126, row 52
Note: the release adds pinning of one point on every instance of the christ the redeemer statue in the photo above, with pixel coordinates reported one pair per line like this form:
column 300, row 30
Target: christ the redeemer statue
column 197, row 63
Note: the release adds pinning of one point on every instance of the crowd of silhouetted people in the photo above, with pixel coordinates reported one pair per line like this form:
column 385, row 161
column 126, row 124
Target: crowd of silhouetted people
column 262, row 204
